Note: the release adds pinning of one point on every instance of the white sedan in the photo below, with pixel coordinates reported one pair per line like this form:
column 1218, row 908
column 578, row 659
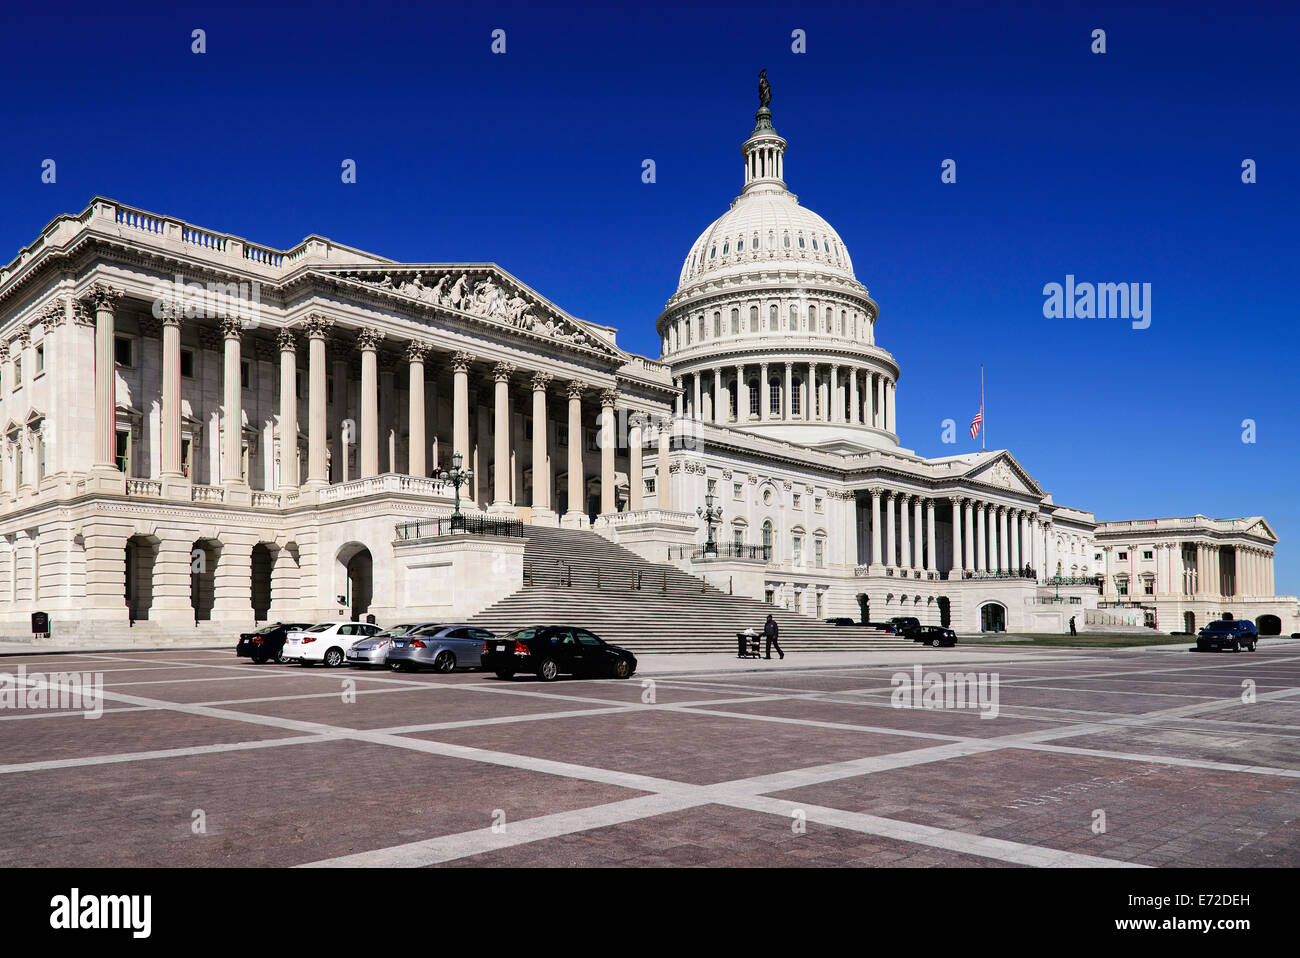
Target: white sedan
column 327, row 642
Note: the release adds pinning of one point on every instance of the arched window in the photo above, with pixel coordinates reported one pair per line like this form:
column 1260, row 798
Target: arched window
column 753, row 319
column 787, row 240
column 725, row 247
column 773, row 318
column 801, row 241
column 812, row 319
column 755, row 398
column 713, row 251
column 735, row 323
column 794, row 318
column 717, row 325
column 767, row 536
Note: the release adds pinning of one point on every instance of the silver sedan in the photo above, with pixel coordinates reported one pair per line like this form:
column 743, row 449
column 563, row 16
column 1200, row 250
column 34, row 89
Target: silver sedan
column 443, row 648
column 373, row 649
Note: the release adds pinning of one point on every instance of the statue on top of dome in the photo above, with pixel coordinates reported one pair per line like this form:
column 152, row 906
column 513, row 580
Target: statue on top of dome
column 764, row 89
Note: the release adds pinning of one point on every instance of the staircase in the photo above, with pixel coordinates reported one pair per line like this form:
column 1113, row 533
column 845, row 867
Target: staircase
column 582, row 579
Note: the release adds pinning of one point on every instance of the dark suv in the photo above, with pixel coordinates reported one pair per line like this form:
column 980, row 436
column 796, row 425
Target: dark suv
column 1235, row 634
column 899, row 624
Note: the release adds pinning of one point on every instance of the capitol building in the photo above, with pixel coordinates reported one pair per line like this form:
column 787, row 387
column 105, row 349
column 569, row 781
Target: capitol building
column 201, row 432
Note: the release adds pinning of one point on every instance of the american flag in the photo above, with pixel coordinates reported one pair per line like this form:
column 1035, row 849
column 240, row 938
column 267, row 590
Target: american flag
column 976, row 423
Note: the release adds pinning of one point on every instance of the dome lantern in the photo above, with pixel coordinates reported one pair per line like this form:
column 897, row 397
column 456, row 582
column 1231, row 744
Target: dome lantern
column 764, row 151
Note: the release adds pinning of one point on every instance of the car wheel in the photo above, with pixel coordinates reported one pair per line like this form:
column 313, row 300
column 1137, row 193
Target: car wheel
column 505, row 674
column 445, row 662
column 333, row 657
column 547, row 670
column 279, row 657
column 622, row 669
column 934, row 643
column 259, row 659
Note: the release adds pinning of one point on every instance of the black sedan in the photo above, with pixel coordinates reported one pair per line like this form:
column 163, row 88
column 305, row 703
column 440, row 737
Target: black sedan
column 1221, row 634
column 935, row 635
column 549, row 651
column 265, row 644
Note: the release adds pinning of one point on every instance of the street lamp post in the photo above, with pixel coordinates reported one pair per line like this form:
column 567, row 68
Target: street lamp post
column 711, row 516
column 457, row 477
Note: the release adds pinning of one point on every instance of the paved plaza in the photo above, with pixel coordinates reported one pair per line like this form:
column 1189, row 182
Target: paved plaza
column 1137, row 757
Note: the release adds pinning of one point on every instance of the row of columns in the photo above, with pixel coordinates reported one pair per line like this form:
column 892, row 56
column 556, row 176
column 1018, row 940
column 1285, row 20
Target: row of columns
column 872, row 406
column 988, row 537
column 901, row 548
column 1204, row 576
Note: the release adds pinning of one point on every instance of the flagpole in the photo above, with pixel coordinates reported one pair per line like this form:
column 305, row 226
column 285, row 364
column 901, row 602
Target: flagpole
column 983, row 421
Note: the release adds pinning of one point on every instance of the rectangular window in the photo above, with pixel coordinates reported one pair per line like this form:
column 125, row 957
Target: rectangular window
column 1122, row 587
column 243, row 462
column 187, row 445
column 187, row 363
column 1123, row 556
column 737, row 490
column 817, row 504
column 244, row 374
column 754, row 399
column 1149, row 587
column 819, row 552
column 40, row 360
column 797, row 499
column 122, row 451
column 774, row 398
column 40, row 458
column 796, row 400
column 1147, row 555
column 122, row 352
column 738, row 539
column 18, row 373
column 650, row 486
column 713, row 487
column 797, row 550
column 819, row 604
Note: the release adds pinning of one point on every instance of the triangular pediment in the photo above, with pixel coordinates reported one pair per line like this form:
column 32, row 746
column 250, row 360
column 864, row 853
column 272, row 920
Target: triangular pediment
column 484, row 292
column 1003, row 471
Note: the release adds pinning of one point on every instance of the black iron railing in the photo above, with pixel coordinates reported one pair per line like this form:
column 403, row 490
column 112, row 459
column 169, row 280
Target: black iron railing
column 459, row 526
column 732, row 550
column 1025, row 573
column 1092, row 580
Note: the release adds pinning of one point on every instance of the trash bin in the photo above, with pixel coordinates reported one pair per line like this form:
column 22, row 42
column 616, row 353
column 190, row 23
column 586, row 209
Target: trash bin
column 747, row 644
column 41, row 624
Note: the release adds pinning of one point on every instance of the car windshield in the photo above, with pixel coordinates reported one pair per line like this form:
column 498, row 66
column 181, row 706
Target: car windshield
column 1221, row 626
column 520, row 634
column 321, row 628
column 395, row 630
column 428, row 629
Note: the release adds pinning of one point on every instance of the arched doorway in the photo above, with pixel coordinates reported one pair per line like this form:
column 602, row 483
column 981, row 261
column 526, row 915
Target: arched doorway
column 993, row 617
column 945, row 611
column 1269, row 625
column 356, row 579
column 1189, row 621
column 204, row 555
column 864, row 607
column 141, row 552
column 263, row 561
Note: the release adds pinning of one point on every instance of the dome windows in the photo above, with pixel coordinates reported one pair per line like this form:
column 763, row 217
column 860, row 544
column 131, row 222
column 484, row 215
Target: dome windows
column 814, row 244
column 773, row 318
column 801, row 241
column 812, row 319
column 753, row 319
column 794, row 318
column 735, row 321
column 754, row 242
column 725, row 247
column 787, row 240
column 713, row 252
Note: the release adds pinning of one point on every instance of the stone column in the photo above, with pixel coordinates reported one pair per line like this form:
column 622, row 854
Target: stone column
column 764, row 391
column 891, row 543
column 416, row 446
column 541, row 464
column 905, row 537
column 460, row 407
column 697, row 410
column 1004, row 557
column 787, row 408
column 833, row 406
column 810, row 394
column 232, row 420
column 288, row 409
column 855, row 408
column 368, row 343
column 875, row 529
column 955, row 571
column 981, row 526
column 968, row 553
column 719, row 401
column 681, row 396
column 104, row 301
column 608, row 446
column 501, row 373
column 577, row 485
column 663, row 491
column 918, row 554
column 635, row 480
column 171, row 393
column 317, row 327
column 879, row 412
column 890, row 391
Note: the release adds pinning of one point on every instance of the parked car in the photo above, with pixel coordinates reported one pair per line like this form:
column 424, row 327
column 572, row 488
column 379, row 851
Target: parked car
column 373, row 649
column 548, row 651
column 1235, row 634
column 327, row 642
column 265, row 644
column 935, row 635
column 901, row 623
column 443, row 648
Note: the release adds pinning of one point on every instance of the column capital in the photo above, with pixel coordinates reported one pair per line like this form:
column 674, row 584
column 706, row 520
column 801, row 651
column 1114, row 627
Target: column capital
column 540, row 382
column 102, row 296
column 460, row 361
column 637, row 420
column 608, row 398
column 317, row 325
column 576, row 388
column 415, row 351
column 369, row 339
column 876, row 492
column 288, row 340
column 230, row 326
column 171, row 313
column 52, row 314
column 502, row 372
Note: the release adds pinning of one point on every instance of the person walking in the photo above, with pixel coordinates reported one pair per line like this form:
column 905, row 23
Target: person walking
column 770, row 630
column 1073, row 630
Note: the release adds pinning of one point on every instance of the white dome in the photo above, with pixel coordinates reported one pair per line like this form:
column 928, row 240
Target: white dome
column 765, row 226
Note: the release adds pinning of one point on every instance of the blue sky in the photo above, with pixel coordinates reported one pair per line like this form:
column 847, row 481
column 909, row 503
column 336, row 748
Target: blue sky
column 1122, row 167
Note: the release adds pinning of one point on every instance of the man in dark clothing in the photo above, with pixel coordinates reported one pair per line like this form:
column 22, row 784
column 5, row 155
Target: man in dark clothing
column 1073, row 631
column 770, row 630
